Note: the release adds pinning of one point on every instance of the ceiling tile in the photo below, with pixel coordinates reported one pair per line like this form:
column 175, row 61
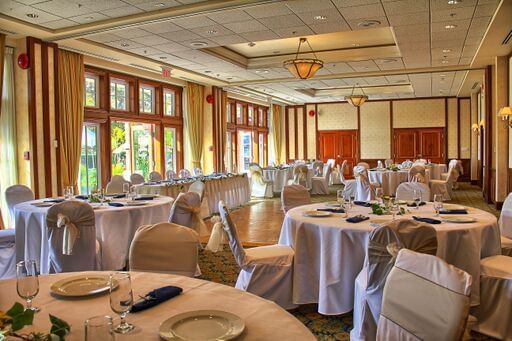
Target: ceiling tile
column 63, row 8
column 131, row 33
column 194, row 21
column 228, row 16
column 100, row 5
column 156, row 5
column 88, row 18
column 246, row 26
column 345, row 3
column 12, row 9
column 229, row 39
column 104, row 37
column 358, row 12
column 406, row 6
column 461, row 25
column 417, row 18
column 209, row 42
column 358, row 24
column 150, row 40
column 302, row 6
column 121, row 11
column 459, row 13
column 211, row 31
column 485, row 10
column 259, row 36
column 161, row 27
column 282, row 21
column 339, row 26
column 124, row 44
column 59, row 23
column 180, row 35
column 329, row 16
column 289, row 32
column 268, row 10
column 171, row 47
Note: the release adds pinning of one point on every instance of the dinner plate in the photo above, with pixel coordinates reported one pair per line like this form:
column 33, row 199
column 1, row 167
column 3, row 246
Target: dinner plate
column 43, row 204
column 317, row 214
column 458, row 219
column 205, row 325
column 332, row 204
column 83, row 285
column 453, row 207
column 136, row 203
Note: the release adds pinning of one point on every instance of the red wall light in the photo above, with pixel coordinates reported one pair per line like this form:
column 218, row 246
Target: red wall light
column 209, row 99
column 311, row 113
column 23, row 61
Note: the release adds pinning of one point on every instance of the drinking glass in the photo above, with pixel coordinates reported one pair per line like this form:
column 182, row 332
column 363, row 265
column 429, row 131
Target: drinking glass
column 121, row 299
column 99, row 328
column 126, row 189
column 69, row 192
column 27, row 282
column 339, row 196
column 133, row 193
column 416, row 196
column 438, row 203
column 101, row 196
column 347, row 203
column 379, row 192
column 394, row 208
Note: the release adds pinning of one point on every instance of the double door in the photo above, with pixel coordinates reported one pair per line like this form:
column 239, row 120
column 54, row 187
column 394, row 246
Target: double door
column 421, row 143
column 339, row 145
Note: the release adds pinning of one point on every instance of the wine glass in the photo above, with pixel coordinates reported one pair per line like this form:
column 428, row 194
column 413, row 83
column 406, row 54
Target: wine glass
column 438, row 203
column 394, row 208
column 416, row 196
column 126, row 189
column 99, row 328
column 133, row 193
column 121, row 299
column 339, row 197
column 27, row 282
column 101, row 196
column 379, row 192
column 347, row 203
column 69, row 192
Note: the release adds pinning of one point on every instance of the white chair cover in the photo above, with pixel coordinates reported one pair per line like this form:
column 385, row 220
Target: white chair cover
column 186, row 211
column 170, row 175
column 155, row 176
column 407, row 164
column 17, row 194
column 300, row 176
column 318, row 167
column 136, row 179
column 417, row 173
column 184, row 173
column 350, row 184
column 505, row 223
column 266, row 271
column 164, row 248
column 116, row 185
column 456, row 169
column 405, row 191
column 7, row 254
column 364, row 190
column 364, row 164
column 259, row 187
column 425, row 298
column 388, row 163
column 293, row 196
column 197, row 171
column 443, row 187
column 72, row 237
column 383, row 246
column 335, row 172
column 494, row 313
column 198, row 187
column 320, row 184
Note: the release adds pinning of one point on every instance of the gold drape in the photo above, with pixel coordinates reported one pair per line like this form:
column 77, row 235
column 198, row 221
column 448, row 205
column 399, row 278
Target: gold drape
column 276, row 117
column 2, row 56
column 220, row 102
column 71, row 114
column 195, row 122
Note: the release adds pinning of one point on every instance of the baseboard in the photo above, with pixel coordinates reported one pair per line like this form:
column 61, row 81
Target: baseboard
column 474, row 182
column 499, row 205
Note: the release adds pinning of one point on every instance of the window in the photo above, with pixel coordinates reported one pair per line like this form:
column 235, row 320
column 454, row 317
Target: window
column 239, row 113
column 91, row 91
column 261, row 118
column 229, row 153
column 250, row 116
column 261, row 149
column 228, row 113
column 146, row 99
column 170, row 148
column 244, row 150
column 118, row 94
column 89, row 177
column 169, row 98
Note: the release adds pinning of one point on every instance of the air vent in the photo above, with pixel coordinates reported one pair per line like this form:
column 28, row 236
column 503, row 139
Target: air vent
column 72, row 49
column 474, row 86
column 7, row 31
column 507, row 38
column 143, row 67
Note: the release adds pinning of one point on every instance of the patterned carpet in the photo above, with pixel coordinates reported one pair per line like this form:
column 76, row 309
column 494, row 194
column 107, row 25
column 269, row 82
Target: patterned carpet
column 221, row 268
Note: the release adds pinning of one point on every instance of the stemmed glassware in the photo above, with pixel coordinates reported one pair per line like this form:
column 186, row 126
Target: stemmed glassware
column 347, row 203
column 27, row 282
column 121, row 299
column 339, row 197
column 126, row 189
column 416, row 196
column 69, row 192
column 394, row 208
column 99, row 328
column 438, row 203
column 379, row 192
column 133, row 193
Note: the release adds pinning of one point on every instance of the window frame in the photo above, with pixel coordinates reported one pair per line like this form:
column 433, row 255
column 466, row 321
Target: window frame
column 128, row 96
column 97, row 97
column 142, row 87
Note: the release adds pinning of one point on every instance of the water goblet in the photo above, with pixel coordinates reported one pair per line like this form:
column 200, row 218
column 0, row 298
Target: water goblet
column 339, row 196
column 27, row 282
column 99, row 328
column 416, row 196
column 438, row 203
column 379, row 193
column 126, row 189
column 394, row 208
column 121, row 299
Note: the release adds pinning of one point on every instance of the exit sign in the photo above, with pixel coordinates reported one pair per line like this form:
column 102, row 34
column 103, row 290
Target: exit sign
column 166, row 72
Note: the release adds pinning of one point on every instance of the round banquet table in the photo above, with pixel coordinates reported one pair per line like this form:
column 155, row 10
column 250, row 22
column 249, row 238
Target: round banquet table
column 330, row 252
column 264, row 320
column 115, row 228
column 436, row 169
column 280, row 177
column 390, row 180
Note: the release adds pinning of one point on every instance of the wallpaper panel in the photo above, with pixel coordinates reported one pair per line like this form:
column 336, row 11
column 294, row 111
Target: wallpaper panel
column 291, row 134
column 39, row 122
column 310, row 122
column 418, row 113
column 375, row 130
column 465, row 129
column 453, row 147
column 337, row 116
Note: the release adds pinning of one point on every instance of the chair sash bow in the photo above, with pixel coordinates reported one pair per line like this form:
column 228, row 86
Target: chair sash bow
column 71, row 233
column 200, row 226
column 218, row 236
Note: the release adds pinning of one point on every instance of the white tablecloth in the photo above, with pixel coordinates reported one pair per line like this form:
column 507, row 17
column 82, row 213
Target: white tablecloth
column 329, row 252
column 235, row 191
column 264, row 320
column 115, row 228
column 390, row 180
column 280, row 177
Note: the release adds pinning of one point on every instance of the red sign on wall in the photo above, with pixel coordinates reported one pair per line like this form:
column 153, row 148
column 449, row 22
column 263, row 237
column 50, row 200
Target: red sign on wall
column 166, row 72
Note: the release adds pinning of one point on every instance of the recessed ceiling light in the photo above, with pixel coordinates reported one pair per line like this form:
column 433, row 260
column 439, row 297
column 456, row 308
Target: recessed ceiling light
column 251, row 44
column 266, row 71
column 162, row 57
column 89, row 18
column 229, row 78
column 447, row 50
column 355, row 45
column 319, row 17
column 207, row 71
column 450, row 26
column 276, row 52
column 125, row 44
column 160, row 4
column 442, row 75
column 368, row 23
column 444, row 62
column 198, row 44
column 33, row 15
column 385, row 60
column 257, row 71
column 454, row 2
column 212, row 32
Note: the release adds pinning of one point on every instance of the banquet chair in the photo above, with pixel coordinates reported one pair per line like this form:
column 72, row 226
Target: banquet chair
column 266, row 271
column 388, row 163
column 318, row 167
column 350, row 186
column 365, row 191
column 170, row 174
column 457, row 170
column 115, row 185
column 197, row 171
column 260, row 188
column 155, row 176
column 184, row 173
column 72, row 237
column 417, row 173
column 364, row 164
column 136, row 179
column 405, row 191
column 186, row 211
column 7, row 254
column 293, row 196
column 383, row 245
column 320, row 184
column 443, row 187
column 495, row 310
column 424, row 298
column 17, row 194
column 164, row 248
column 505, row 223
column 335, row 172
column 300, row 176
column 198, row 187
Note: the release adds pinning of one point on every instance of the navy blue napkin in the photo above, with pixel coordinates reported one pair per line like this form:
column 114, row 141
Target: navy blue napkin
column 144, row 197
column 116, row 204
column 427, row 220
column 333, row 210
column 156, row 297
column 82, row 197
column 414, row 204
column 119, row 196
column 54, row 200
column 442, row 211
column 357, row 219
column 362, row 203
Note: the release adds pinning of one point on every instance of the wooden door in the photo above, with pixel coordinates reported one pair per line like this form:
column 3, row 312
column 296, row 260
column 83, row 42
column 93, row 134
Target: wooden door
column 432, row 144
column 339, row 145
column 405, row 143
column 421, row 143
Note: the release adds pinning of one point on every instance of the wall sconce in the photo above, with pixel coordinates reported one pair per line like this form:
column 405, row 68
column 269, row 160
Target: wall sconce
column 505, row 114
column 475, row 127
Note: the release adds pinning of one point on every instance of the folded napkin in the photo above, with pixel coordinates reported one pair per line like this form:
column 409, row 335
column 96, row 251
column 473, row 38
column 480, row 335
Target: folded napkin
column 443, row 211
column 362, row 203
column 156, row 297
column 414, row 205
column 333, row 210
column 427, row 220
column 357, row 219
column 54, row 200
column 119, row 196
column 82, row 197
column 144, row 197
column 116, row 204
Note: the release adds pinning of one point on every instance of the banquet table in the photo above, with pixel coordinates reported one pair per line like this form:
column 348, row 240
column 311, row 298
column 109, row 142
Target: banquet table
column 330, row 252
column 280, row 177
column 390, row 180
column 115, row 228
column 234, row 190
column 436, row 169
column 264, row 320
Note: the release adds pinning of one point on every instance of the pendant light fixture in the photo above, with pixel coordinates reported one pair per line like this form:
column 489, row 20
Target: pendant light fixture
column 303, row 68
column 356, row 100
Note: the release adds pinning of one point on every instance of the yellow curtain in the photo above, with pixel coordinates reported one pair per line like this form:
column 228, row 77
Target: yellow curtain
column 2, row 56
column 195, row 121
column 276, row 116
column 222, row 129
column 71, row 114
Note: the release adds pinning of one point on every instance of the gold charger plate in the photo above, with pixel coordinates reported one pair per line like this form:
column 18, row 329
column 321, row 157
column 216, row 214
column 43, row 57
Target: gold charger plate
column 81, row 286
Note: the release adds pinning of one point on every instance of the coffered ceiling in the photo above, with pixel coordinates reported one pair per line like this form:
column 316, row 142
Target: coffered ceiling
column 393, row 49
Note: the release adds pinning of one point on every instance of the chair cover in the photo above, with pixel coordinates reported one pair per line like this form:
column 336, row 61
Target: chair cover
column 164, row 248
column 71, row 237
column 320, row 184
column 364, row 190
column 417, row 174
column 155, row 176
column 7, row 254
column 293, row 196
column 318, row 167
column 350, row 185
column 407, row 164
column 198, row 187
column 266, row 271
column 364, row 164
column 184, row 173
column 494, row 313
column 170, row 175
column 506, row 246
column 300, row 176
column 383, row 245
column 405, row 191
column 505, row 223
column 116, row 185
column 443, row 187
column 186, row 211
column 425, row 298
column 136, row 179
column 388, row 163
column 197, row 171
column 259, row 187
column 17, row 194
column 456, row 169
column 335, row 172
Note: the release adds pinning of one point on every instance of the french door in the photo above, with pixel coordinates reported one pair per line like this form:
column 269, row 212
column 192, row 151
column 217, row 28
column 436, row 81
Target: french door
column 339, row 145
column 424, row 143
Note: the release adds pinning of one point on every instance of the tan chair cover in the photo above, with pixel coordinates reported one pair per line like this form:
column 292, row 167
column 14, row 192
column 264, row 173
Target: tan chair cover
column 293, row 196
column 198, row 187
column 17, row 194
column 388, row 163
column 417, row 174
column 443, row 187
column 136, row 179
column 197, row 171
column 155, row 176
column 170, row 175
column 405, row 191
column 184, row 173
column 364, row 164
column 320, row 184
column 72, row 237
column 259, row 187
column 425, row 298
column 300, row 176
column 164, row 248
column 116, row 185
column 186, row 211
column 318, row 167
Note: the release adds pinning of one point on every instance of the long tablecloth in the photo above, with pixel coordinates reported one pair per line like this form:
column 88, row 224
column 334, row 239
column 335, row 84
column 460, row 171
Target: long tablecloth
column 280, row 177
column 264, row 320
column 235, row 191
column 329, row 252
column 115, row 228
